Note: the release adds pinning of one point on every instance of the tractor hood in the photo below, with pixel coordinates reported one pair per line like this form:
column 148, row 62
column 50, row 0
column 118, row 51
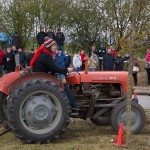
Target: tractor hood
column 99, row 77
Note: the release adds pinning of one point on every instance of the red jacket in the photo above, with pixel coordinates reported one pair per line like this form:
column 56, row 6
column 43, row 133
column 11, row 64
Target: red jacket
column 148, row 57
column 82, row 56
column 113, row 52
column 2, row 54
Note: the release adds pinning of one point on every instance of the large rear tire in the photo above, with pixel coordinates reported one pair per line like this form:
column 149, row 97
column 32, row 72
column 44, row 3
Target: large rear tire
column 38, row 111
column 3, row 102
column 138, row 117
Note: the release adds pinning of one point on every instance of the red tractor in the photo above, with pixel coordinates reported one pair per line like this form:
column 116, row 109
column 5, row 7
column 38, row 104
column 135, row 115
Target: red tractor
column 35, row 107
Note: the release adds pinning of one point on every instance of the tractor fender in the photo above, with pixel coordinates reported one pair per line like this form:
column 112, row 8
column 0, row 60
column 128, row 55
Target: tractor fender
column 16, row 79
column 7, row 80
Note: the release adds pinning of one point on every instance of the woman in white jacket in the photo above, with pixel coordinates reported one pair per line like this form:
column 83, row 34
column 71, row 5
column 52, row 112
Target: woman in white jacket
column 77, row 62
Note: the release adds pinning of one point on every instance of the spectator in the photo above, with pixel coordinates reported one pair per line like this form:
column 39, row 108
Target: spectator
column 30, row 56
column 10, row 40
column 67, row 59
column 17, row 40
column 51, row 34
column 108, row 61
column 97, row 60
column 82, row 58
column 22, row 57
column 60, row 39
column 93, row 51
column 113, row 51
column 14, row 50
column 77, row 62
column 101, row 53
column 3, row 39
column 147, row 67
column 126, row 62
column 40, row 37
column 136, row 69
column 60, row 61
column 2, row 54
column 92, row 63
column 9, row 61
column 119, row 63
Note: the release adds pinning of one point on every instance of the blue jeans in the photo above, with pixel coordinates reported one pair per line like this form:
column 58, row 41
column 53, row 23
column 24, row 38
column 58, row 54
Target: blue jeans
column 70, row 95
column 60, row 76
column 1, row 70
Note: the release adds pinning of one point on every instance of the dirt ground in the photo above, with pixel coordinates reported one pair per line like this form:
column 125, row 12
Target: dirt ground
column 82, row 135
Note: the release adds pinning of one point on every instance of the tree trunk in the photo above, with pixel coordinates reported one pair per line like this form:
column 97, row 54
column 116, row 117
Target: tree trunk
column 130, row 80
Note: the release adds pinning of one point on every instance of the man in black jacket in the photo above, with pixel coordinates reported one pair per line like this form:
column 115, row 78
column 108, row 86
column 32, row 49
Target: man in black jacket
column 17, row 41
column 40, row 36
column 108, row 61
column 9, row 61
column 43, row 62
column 60, row 39
column 101, row 52
column 51, row 34
column 119, row 63
column 30, row 56
column 22, row 57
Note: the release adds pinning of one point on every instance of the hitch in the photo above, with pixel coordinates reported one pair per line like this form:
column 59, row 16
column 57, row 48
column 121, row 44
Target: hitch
column 4, row 131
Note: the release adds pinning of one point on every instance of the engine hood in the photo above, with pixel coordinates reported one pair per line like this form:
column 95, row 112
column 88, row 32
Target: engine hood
column 120, row 77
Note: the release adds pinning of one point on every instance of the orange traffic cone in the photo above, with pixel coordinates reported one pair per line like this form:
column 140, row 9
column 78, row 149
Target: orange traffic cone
column 120, row 136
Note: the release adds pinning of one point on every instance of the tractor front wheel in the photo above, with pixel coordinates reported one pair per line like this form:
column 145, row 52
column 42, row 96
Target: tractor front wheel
column 138, row 117
column 38, row 111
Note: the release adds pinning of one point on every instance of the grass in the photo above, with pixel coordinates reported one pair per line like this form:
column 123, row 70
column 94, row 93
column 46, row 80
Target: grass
column 81, row 135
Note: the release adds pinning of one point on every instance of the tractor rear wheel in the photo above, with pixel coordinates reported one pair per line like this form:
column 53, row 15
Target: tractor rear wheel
column 138, row 117
column 3, row 102
column 38, row 111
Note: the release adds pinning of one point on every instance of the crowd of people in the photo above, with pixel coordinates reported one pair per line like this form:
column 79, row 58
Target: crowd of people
column 110, row 60
column 102, row 59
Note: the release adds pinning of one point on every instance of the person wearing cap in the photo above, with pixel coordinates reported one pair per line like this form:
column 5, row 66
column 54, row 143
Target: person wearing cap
column 77, row 62
column 43, row 62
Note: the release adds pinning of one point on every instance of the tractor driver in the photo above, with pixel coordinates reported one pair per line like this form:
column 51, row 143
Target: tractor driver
column 43, row 62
